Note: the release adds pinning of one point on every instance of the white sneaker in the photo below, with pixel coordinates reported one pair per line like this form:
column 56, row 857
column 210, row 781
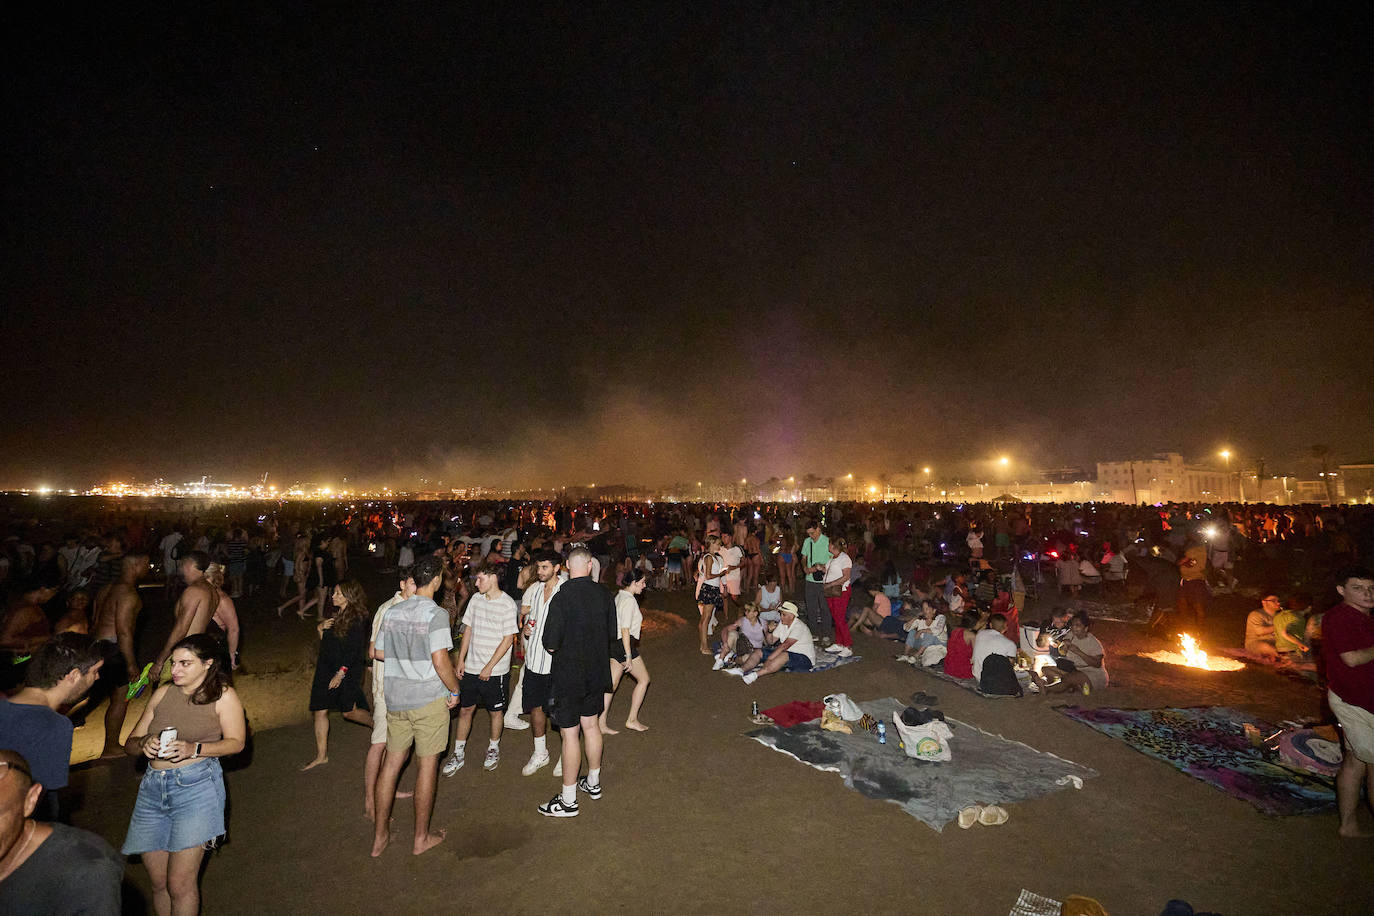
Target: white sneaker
column 836, row 647
column 493, row 758
column 515, row 723
column 720, row 663
column 453, row 764
column 558, row 767
column 536, row 763
column 736, row 672
column 751, row 677
column 844, row 652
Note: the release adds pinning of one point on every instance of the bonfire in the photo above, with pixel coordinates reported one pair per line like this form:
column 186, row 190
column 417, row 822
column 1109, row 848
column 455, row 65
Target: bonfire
column 1192, row 656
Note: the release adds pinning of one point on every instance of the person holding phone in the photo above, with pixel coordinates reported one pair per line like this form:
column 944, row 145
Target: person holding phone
column 815, row 557
column 179, row 812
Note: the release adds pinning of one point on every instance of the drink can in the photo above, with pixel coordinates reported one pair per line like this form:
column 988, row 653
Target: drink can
column 164, row 738
column 882, row 733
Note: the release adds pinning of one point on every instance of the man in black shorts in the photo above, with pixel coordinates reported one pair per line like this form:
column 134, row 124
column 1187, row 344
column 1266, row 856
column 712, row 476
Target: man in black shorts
column 484, row 665
column 578, row 634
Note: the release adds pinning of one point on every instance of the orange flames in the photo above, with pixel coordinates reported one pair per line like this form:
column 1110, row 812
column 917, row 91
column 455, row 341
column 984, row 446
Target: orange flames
column 1192, row 656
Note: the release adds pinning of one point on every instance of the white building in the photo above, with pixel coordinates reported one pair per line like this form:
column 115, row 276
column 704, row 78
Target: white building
column 1164, row 478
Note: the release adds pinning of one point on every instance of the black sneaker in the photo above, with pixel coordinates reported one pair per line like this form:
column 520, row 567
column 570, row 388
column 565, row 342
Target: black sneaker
column 556, row 807
column 593, row 791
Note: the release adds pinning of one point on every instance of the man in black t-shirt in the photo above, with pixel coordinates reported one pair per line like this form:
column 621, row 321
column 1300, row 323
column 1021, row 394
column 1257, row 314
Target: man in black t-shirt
column 50, row 869
column 578, row 633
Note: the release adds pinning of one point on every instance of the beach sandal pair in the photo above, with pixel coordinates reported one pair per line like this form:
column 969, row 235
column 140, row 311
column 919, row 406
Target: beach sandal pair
column 987, row 815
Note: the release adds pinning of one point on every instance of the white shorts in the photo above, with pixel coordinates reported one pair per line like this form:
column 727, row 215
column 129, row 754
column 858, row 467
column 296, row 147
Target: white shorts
column 1357, row 723
column 378, row 712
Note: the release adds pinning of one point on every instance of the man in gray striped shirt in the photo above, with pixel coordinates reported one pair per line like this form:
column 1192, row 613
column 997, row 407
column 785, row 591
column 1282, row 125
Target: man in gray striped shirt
column 420, row 688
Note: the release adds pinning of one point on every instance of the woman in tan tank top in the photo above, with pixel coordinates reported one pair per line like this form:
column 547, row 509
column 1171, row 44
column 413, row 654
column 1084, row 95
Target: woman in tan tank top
column 180, row 806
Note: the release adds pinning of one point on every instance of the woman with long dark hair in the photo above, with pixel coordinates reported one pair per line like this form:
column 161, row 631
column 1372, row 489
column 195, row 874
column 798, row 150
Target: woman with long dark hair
column 179, row 812
column 339, row 668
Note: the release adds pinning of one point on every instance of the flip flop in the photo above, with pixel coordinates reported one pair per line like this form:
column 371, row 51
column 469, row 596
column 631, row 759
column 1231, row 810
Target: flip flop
column 970, row 816
column 993, row 815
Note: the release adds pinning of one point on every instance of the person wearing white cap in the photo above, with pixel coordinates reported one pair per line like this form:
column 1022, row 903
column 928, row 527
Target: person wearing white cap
column 789, row 646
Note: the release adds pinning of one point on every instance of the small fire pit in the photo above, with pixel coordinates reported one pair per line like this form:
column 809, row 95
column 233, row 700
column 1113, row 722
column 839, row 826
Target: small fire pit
column 1193, row 657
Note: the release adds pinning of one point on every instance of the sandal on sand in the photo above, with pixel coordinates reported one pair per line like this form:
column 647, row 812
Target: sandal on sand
column 993, row 815
column 969, row 816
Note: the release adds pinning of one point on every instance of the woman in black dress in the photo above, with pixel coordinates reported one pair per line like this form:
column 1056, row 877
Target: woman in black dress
column 339, row 671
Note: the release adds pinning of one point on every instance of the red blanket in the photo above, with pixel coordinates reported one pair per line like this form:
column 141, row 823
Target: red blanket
column 795, row 713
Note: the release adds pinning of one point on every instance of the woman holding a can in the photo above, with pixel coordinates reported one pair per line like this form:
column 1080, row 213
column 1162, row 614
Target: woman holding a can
column 188, row 725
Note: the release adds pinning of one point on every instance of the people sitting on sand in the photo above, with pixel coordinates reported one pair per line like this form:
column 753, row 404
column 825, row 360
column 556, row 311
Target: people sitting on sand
column 993, row 657
column 1082, row 660
column 769, row 592
column 1259, row 629
column 1040, row 642
column 1069, row 575
column 788, row 646
column 878, row 617
column 1290, row 633
column 985, row 592
column 959, row 648
column 740, row 639
column 926, row 637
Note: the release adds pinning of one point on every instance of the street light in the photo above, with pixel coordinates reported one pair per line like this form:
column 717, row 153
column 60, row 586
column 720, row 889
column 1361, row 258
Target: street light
column 1226, row 456
column 1004, row 461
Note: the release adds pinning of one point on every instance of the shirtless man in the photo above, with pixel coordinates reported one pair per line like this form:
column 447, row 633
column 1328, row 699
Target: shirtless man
column 24, row 627
column 194, row 610
column 116, row 610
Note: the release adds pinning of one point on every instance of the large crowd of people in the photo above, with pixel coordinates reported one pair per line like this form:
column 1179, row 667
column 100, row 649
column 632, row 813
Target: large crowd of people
column 531, row 612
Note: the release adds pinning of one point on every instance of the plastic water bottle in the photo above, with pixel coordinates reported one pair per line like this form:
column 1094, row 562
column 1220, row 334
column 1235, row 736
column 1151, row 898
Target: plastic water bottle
column 882, row 733
column 754, row 708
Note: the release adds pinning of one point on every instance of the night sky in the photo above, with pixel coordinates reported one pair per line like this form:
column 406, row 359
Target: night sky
column 506, row 247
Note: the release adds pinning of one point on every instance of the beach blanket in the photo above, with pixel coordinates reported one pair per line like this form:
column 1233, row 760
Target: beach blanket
column 1209, row 743
column 967, row 683
column 938, row 671
column 827, row 660
column 986, row 769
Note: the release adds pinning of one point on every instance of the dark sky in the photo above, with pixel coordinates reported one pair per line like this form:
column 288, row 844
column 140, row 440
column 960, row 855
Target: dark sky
column 506, row 247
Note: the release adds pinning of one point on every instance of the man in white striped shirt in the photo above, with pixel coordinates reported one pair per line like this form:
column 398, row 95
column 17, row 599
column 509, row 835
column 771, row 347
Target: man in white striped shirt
column 536, row 679
column 484, row 665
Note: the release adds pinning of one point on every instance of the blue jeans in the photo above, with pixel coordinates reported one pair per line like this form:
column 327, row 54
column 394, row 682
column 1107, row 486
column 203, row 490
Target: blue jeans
column 924, row 641
column 177, row 809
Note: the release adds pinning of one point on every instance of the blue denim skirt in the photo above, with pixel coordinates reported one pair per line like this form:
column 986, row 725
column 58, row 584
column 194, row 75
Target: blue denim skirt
column 177, row 809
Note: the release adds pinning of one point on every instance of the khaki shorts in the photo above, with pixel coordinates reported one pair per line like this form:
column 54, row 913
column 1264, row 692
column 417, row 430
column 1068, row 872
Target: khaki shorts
column 1358, row 725
column 426, row 728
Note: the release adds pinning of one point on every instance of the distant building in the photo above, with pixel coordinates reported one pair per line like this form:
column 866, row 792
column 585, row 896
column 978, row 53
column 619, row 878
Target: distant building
column 1165, row 478
column 1357, row 482
column 1066, row 474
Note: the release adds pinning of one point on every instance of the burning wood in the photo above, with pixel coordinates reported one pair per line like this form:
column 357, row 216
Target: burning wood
column 1192, row 656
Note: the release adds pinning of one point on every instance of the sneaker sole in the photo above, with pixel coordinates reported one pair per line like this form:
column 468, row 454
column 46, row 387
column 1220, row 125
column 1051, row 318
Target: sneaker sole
column 562, row 813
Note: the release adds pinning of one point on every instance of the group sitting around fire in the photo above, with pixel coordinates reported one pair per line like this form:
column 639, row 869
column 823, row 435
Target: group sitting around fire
column 973, row 634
